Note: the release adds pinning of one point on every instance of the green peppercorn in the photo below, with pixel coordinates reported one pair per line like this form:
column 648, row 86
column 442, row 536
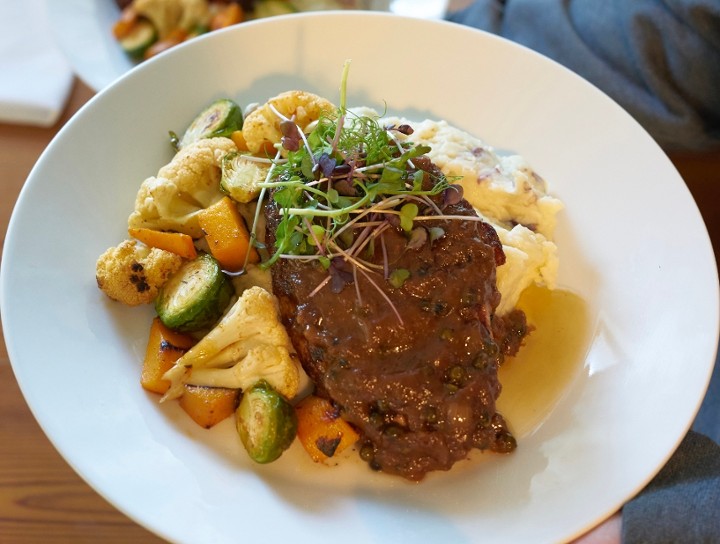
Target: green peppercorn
column 490, row 348
column 457, row 375
column 392, row 431
column 451, row 388
column 376, row 419
column 505, row 443
column 481, row 361
column 481, row 440
column 430, row 415
column 469, row 298
column 367, row 452
column 483, row 420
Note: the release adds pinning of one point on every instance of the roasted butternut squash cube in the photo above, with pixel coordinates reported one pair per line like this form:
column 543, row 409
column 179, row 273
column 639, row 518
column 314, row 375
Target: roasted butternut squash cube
column 174, row 242
column 227, row 235
column 321, row 430
column 165, row 346
column 208, row 406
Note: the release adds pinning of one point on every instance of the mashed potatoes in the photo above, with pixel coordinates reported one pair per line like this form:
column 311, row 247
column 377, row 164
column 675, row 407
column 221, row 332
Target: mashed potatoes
column 507, row 193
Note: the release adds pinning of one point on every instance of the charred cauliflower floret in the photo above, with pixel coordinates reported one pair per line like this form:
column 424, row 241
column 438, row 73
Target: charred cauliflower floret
column 132, row 273
column 182, row 188
column 248, row 345
column 262, row 126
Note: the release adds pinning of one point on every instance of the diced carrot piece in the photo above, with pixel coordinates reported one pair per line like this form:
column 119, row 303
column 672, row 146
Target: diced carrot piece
column 267, row 149
column 208, row 406
column 174, row 38
column 124, row 25
column 227, row 16
column 239, row 139
column 175, row 242
column 164, row 347
column 321, row 430
column 226, row 234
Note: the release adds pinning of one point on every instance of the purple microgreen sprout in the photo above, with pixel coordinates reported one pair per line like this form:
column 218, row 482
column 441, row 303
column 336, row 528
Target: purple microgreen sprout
column 452, row 195
column 290, row 135
column 283, row 118
column 325, row 165
column 341, row 273
column 405, row 129
column 345, row 188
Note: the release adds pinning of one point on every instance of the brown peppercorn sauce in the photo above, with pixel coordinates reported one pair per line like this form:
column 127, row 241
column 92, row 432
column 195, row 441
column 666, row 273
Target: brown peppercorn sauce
column 422, row 392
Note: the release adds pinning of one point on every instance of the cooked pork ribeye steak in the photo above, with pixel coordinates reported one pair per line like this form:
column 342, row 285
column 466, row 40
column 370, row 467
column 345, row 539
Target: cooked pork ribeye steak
column 412, row 364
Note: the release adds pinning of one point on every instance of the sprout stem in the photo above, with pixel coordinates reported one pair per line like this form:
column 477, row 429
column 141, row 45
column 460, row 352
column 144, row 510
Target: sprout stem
column 384, row 295
column 320, row 286
column 449, row 217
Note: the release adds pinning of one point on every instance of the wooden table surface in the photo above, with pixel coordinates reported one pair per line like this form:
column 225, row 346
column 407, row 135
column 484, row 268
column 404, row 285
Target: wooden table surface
column 41, row 498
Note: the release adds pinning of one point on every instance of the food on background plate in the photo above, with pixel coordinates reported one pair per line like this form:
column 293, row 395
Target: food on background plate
column 357, row 288
column 148, row 27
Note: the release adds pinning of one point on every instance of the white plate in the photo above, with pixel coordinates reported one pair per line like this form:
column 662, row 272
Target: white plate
column 632, row 243
column 83, row 30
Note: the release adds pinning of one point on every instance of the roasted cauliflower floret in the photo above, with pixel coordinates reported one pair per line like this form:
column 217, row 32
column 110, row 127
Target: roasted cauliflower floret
column 194, row 13
column 262, row 125
column 274, row 364
column 182, row 188
column 169, row 15
column 132, row 273
column 249, row 344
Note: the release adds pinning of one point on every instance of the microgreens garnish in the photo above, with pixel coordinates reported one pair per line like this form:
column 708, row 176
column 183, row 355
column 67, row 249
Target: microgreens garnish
column 340, row 187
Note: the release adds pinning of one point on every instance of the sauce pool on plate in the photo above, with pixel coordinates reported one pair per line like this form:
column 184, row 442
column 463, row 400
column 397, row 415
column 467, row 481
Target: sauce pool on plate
column 551, row 358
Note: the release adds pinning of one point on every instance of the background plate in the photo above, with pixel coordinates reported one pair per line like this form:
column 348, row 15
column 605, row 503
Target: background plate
column 83, row 30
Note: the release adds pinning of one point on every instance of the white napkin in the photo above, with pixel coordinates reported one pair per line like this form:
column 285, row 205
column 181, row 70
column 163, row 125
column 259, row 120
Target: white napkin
column 424, row 9
column 35, row 77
